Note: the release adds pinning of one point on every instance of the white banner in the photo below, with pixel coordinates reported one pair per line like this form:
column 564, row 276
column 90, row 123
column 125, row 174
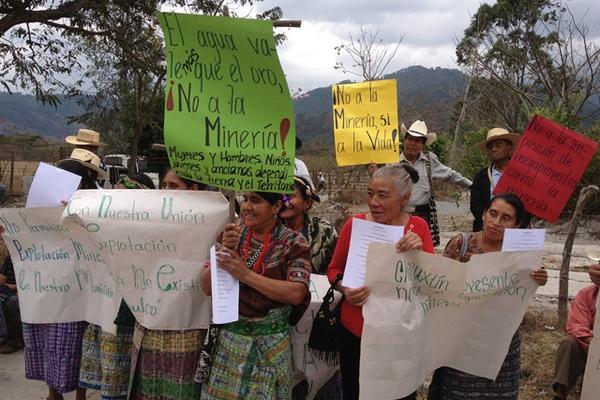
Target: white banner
column 316, row 370
column 155, row 243
column 591, row 379
column 61, row 276
column 427, row 311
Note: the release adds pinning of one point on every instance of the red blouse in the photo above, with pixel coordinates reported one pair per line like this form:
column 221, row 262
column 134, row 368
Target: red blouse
column 580, row 324
column 351, row 317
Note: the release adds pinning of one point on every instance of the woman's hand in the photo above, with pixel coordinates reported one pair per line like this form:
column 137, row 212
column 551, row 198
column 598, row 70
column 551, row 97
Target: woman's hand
column 540, row 276
column 357, row 296
column 228, row 260
column 231, row 236
column 410, row 241
column 595, row 274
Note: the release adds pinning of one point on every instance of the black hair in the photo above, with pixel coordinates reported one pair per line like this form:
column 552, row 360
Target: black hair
column 305, row 189
column 270, row 197
column 188, row 182
column 515, row 202
column 88, row 175
column 142, row 178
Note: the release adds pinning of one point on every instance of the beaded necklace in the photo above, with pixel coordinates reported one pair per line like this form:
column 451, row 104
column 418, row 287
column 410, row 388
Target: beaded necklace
column 255, row 261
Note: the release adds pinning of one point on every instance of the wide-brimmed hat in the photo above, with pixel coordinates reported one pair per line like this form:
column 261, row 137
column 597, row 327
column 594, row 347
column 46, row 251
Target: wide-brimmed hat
column 419, row 129
column 88, row 160
column 499, row 133
column 85, row 137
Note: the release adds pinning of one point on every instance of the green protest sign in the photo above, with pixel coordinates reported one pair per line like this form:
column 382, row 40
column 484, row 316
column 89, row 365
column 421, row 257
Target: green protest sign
column 228, row 113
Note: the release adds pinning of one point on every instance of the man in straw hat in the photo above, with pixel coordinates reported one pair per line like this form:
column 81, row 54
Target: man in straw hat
column 429, row 167
column 86, row 139
column 498, row 145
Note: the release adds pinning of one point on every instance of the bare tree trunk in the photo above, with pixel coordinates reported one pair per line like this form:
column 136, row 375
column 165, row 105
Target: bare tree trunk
column 563, row 285
column 138, row 124
column 458, row 136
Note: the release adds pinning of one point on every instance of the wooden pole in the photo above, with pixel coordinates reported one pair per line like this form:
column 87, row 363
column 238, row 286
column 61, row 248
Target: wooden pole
column 12, row 171
column 563, row 284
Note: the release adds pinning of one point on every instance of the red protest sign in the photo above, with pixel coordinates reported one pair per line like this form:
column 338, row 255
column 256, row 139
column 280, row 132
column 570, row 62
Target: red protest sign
column 547, row 164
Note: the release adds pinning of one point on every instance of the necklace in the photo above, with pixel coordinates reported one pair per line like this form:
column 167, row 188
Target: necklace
column 255, row 261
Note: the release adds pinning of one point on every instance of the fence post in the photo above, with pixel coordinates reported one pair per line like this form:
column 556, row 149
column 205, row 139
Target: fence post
column 12, row 171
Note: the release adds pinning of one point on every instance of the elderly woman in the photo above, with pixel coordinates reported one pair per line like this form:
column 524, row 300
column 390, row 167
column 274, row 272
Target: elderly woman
column 252, row 357
column 163, row 361
column 505, row 211
column 388, row 194
column 320, row 234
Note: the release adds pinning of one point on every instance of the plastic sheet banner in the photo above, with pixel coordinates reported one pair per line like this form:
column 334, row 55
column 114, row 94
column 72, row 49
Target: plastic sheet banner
column 61, row 276
column 427, row 311
column 229, row 120
column 155, row 243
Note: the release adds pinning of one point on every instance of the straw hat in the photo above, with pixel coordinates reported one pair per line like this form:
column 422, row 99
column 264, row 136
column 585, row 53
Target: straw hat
column 88, row 160
column 85, row 137
column 498, row 133
column 419, row 129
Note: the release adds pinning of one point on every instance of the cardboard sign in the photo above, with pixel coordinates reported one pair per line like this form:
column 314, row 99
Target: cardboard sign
column 365, row 122
column 591, row 378
column 155, row 243
column 547, row 164
column 427, row 311
column 229, row 121
column 61, row 276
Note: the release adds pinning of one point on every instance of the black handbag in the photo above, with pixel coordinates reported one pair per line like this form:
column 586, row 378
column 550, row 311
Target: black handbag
column 324, row 335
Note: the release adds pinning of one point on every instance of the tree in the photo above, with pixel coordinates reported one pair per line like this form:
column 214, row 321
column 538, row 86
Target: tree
column 368, row 53
column 537, row 54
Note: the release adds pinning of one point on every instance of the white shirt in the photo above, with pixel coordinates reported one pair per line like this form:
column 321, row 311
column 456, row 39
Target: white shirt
column 421, row 189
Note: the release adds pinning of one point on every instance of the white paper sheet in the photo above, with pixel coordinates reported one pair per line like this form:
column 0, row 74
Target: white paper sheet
column 51, row 185
column 363, row 233
column 523, row 239
column 225, row 293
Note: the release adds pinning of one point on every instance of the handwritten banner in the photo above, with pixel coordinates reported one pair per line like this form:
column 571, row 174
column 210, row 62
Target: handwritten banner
column 547, row 164
column 228, row 113
column 61, row 276
column 427, row 311
column 155, row 243
column 591, row 378
column 317, row 371
column 365, row 122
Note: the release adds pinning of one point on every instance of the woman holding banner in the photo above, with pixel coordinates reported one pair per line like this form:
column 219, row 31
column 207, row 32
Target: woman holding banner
column 505, row 211
column 163, row 361
column 106, row 357
column 53, row 351
column 388, row 194
column 252, row 357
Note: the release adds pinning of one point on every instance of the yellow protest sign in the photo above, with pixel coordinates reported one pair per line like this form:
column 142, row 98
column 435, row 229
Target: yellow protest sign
column 365, row 122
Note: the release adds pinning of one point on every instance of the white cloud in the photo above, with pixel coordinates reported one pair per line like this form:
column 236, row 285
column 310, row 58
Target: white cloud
column 430, row 28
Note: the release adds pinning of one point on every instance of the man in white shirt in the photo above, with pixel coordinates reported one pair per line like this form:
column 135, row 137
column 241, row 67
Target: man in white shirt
column 429, row 168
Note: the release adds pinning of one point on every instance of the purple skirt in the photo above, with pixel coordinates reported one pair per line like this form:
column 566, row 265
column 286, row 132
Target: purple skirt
column 53, row 353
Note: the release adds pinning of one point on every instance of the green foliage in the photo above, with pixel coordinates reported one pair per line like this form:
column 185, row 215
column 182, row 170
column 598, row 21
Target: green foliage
column 473, row 160
column 441, row 147
column 23, row 139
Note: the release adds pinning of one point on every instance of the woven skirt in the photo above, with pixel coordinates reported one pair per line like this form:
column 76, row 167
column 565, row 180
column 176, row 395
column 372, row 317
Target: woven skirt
column 252, row 359
column 451, row 384
column 53, row 353
column 163, row 364
column 106, row 361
